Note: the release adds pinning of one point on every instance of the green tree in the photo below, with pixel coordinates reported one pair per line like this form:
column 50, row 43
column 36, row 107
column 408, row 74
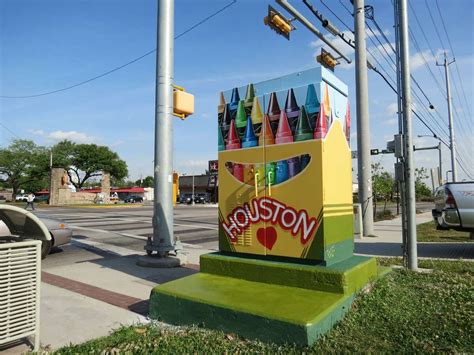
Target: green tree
column 23, row 164
column 146, row 182
column 84, row 161
column 382, row 185
column 421, row 189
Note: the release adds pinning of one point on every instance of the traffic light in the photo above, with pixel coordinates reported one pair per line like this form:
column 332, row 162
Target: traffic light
column 374, row 152
column 327, row 60
column 278, row 23
column 183, row 102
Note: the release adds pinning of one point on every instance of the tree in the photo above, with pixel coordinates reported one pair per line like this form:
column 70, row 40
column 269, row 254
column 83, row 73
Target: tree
column 84, row 161
column 146, row 182
column 23, row 166
column 421, row 189
column 382, row 185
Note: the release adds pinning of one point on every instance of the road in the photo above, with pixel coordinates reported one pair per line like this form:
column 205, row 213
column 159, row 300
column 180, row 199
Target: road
column 125, row 230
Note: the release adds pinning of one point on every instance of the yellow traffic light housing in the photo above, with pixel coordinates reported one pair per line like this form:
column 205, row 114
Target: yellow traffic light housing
column 279, row 23
column 327, row 60
column 183, row 102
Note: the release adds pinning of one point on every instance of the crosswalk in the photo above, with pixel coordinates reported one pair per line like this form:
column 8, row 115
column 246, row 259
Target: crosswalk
column 106, row 226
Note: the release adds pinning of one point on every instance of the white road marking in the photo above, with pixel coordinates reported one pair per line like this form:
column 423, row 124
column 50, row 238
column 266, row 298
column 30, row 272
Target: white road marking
column 196, row 226
column 106, row 231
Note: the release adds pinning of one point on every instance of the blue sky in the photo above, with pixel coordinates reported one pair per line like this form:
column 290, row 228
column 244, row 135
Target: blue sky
column 51, row 44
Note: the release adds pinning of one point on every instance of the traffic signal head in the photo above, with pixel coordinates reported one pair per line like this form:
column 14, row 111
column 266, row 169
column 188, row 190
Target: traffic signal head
column 327, row 60
column 279, row 23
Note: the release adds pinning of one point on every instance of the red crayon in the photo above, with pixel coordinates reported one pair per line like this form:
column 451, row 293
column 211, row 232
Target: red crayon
column 283, row 134
column 233, row 142
column 321, row 126
column 348, row 124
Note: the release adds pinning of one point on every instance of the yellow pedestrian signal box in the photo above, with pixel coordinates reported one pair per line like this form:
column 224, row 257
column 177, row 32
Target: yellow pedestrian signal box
column 183, row 102
column 279, row 23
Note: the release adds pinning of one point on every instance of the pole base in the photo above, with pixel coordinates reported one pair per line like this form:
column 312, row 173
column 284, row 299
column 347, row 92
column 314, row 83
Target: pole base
column 161, row 262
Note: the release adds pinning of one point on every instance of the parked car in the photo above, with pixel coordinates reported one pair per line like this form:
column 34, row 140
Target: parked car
column 21, row 198
column 42, row 198
column 133, row 199
column 19, row 224
column 202, row 198
column 454, row 206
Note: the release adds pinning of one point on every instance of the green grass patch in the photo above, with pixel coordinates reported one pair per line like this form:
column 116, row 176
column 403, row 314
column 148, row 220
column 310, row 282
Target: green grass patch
column 403, row 312
column 427, row 232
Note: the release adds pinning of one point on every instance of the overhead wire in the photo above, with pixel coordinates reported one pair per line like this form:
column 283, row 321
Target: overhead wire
column 123, row 65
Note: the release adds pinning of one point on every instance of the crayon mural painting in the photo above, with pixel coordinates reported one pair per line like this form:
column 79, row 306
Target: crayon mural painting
column 285, row 168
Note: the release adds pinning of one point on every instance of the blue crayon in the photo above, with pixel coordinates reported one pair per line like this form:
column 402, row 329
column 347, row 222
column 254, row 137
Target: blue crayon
column 282, row 172
column 304, row 161
column 249, row 140
column 234, row 102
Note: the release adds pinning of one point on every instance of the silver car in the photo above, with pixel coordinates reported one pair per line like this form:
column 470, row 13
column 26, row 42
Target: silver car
column 19, row 224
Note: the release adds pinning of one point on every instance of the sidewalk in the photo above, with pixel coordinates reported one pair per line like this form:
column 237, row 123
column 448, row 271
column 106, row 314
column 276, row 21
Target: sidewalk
column 389, row 242
column 102, row 288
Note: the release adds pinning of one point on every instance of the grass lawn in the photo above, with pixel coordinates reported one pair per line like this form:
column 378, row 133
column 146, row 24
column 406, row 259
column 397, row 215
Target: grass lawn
column 403, row 312
column 426, row 232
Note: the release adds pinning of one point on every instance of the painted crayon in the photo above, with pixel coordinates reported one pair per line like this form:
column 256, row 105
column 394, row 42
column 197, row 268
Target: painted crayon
column 234, row 102
column 321, row 127
column 292, row 109
column 266, row 135
column 303, row 128
column 270, row 173
column 249, row 140
column 249, row 96
column 348, row 124
column 284, row 134
column 282, row 171
column 241, row 119
column 294, row 166
column 257, row 116
column 220, row 108
column 249, row 174
column 233, row 142
column 260, row 174
column 220, row 140
column 312, row 105
column 226, row 120
column 273, row 112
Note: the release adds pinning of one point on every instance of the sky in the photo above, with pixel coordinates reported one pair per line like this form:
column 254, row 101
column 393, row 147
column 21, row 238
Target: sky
column 49, row 44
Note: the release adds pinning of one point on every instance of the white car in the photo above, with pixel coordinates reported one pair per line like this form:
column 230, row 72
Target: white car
column 21, row 198
column 19, row 224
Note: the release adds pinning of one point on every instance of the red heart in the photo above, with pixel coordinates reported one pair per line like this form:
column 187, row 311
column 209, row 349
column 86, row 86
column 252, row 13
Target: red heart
column 267, row 237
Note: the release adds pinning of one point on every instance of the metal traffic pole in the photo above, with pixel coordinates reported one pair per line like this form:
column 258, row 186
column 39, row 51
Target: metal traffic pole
column 363, row 126
column 162, row 241
column 409, row 169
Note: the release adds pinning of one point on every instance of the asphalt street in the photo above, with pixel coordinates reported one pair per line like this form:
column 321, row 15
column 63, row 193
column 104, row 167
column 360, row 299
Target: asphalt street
column 125, row 230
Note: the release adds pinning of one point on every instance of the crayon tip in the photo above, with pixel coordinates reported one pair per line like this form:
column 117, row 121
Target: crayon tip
column 233, row 141
column 312, row 102
column 303, row 129
column 321, row 127
column 235, row 96
column 220, row 140
column 266, row 136
column 283, row 134
column 221, row 101
column 256, row 113
column 291, row 104
column 249, row 140
column 240, row 117
column 327, row 105
column 273, row 106
column 227, row 117
column 249, row 95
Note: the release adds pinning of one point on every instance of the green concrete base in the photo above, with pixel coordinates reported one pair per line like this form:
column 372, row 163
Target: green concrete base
column 266, row 300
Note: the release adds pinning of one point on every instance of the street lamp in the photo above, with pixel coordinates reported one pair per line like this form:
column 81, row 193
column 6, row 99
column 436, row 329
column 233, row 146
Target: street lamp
column 440, row 174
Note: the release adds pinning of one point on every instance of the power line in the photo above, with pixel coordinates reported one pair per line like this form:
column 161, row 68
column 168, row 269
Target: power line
column 123, row 65
column 9, row 130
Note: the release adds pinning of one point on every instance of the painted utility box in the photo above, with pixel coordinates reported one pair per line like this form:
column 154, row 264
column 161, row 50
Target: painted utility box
column 285, row 179
column 285, row 271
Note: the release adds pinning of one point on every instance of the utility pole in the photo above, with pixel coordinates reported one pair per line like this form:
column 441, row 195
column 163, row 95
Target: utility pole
column 363, row 126
column 408, row 168
column 192, row 199
column 162, row 241
column 454, row 169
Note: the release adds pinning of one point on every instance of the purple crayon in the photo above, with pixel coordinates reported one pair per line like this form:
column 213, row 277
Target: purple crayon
column 292, row 110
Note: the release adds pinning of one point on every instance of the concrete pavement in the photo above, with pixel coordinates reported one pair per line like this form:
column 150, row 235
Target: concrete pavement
column 93, row 285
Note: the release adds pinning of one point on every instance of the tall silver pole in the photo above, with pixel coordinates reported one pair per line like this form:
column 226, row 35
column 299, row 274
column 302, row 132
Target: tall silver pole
column 408, row 139
column 192, row 200
column 450, row 117
column 363, row 127
column 440, row 175
column 163, row 234
column 400, row 129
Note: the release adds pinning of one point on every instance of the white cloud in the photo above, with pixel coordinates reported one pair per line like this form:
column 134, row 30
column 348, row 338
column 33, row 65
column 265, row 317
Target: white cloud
column 117, row 143
column 36, row 132
column 74, row 136
column 392, row 109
